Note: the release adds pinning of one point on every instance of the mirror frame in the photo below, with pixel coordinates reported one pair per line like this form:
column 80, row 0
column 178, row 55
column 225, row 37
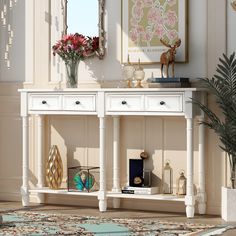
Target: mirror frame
column 101, row 31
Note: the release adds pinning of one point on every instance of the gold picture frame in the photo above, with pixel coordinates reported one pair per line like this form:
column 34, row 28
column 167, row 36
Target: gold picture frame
column 145, row 22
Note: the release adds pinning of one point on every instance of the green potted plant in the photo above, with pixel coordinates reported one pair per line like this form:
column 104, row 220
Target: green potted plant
column 223, row 87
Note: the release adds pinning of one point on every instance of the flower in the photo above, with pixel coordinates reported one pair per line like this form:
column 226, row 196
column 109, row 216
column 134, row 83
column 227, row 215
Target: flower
column 75, row 47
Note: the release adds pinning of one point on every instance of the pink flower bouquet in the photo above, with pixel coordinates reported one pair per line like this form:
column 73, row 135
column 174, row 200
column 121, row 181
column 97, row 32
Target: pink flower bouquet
column 76, row 47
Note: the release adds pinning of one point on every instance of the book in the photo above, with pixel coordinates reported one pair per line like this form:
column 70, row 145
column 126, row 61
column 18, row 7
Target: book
column 164, row 85
column 139, row 190
column 127, row 191
column 178, row 82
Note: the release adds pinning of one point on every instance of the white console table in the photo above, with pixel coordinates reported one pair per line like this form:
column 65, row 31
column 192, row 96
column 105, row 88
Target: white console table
column 116, row 103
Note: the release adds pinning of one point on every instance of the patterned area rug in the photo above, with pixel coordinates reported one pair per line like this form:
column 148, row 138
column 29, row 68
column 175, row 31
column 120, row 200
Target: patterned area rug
column 31, row 223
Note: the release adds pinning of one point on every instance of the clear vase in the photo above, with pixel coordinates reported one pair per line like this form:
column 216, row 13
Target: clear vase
column 72, row 74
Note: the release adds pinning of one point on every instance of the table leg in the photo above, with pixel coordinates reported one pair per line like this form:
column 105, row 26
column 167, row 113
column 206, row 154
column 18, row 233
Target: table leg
column 116, row 163
column 25, row 164
column 102, row 192
column 190, row 198
column 202, row 190
column 41, row 166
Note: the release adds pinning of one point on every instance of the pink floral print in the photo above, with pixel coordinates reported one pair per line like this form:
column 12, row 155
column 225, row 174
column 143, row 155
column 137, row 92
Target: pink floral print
column 151, row 20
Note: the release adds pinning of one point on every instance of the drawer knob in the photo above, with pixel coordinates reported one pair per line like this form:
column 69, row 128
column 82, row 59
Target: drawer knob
column 77, row 102
column 44, row 102
column 123, row 102
column 162, row 102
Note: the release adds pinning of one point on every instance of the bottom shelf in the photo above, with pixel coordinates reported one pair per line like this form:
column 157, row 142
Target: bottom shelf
column 63, row 191
column 110, row 194
column 163, row 197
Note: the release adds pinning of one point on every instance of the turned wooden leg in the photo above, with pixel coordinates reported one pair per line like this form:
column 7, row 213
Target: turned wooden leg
column 25, row 165
column 102, row 192
column 190, row 198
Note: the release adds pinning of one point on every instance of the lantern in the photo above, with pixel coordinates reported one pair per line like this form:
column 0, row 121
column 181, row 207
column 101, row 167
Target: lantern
column 181, row 184
column 167, row 179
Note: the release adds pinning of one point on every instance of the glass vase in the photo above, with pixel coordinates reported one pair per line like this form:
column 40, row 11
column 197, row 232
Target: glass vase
column 72, row 74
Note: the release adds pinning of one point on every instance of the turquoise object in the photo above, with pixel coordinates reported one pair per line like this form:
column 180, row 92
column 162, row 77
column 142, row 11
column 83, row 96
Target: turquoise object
column 84, row 180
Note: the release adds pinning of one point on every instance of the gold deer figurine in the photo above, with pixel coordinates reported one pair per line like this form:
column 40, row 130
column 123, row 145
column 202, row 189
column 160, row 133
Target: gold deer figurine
column 168, row 57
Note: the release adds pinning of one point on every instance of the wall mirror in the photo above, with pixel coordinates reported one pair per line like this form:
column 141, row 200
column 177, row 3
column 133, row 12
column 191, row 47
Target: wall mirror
column 86, row 17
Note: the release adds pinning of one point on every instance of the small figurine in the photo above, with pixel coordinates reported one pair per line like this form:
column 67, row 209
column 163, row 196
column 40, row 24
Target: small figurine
column 168, row 57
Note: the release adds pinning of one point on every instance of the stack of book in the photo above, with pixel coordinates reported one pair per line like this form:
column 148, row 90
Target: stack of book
column 169, row 83
column 139, row 190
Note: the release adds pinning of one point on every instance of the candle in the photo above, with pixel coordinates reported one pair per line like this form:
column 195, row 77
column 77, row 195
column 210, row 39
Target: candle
column 10, row 4
column 6, row 55
column 5, row 9
column 4, row 21
column 10, row 41
column 8, row 64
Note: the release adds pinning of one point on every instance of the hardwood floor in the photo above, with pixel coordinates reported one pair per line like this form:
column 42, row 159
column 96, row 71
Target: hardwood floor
column 117, row 213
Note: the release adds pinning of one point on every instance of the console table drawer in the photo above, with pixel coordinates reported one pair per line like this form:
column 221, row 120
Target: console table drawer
column 124, row 102
column 79, row 102
column 164, row 103
column 44, row 102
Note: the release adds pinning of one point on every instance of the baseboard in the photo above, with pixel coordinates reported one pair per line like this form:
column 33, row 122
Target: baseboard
column 12, row 197
column 176, row 207
column 214, row 210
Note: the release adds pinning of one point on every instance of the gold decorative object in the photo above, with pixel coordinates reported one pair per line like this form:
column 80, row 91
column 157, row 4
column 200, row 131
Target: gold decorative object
column 144, row 155
column 128, row 73
column 167, row 179
column 181, row 184
column 139, row 75
column 54, row 168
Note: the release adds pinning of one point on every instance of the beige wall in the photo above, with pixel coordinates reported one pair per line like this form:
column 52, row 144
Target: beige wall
column 10, row 142
column 77, row 137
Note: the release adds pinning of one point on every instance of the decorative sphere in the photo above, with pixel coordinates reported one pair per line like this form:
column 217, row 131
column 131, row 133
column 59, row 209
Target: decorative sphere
column 139, row 74
column 144, row 155
column 83, row 180
column 138, row 180
column 128, row 71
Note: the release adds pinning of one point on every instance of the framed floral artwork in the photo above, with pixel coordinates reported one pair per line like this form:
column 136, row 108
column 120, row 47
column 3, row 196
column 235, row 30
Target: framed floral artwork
column 146, row 22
